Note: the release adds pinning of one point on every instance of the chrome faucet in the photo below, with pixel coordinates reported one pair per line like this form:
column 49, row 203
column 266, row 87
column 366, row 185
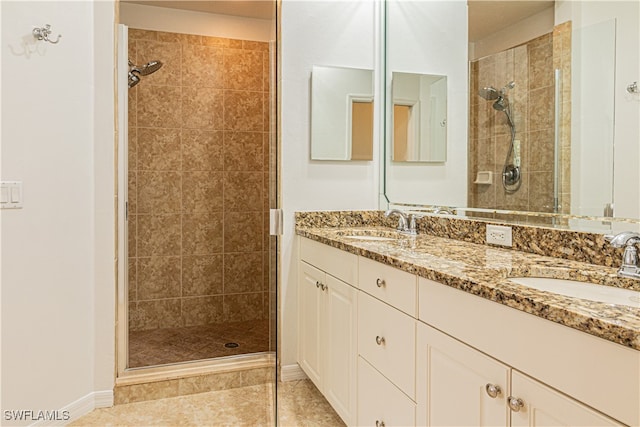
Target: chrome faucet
column 406, row 223
column 628, row 240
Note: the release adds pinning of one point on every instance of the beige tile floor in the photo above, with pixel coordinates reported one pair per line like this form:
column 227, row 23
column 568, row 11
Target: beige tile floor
column 299, row 404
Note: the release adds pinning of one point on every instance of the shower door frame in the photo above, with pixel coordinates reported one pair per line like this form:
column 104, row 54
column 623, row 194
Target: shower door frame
column 122, row 149
column 124, row 374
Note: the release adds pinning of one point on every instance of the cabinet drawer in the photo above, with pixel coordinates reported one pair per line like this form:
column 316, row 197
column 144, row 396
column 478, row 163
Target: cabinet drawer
column 340, row 264
column 387, row 340
column 379, row 401
column 395, row 287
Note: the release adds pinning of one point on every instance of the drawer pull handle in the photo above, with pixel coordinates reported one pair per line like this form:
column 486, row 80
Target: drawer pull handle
column 379, row 423
column 380, row 283
column 493, row 390
column 379, row 340
column 515, row 403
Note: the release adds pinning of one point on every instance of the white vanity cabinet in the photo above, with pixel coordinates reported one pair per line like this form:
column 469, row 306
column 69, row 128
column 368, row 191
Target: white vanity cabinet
column 327, row 340
column 386, row 348
column 458, row 385
column 561, row 376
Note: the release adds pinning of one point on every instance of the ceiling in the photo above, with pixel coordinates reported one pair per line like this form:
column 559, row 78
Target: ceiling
column 487, row 17
column 258, row 9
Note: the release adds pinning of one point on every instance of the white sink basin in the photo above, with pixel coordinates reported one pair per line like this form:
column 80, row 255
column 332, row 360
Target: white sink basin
column 589, row 291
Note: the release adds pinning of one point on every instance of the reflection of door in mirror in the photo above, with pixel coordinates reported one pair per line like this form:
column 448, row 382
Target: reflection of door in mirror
column 341, row 110
column 419, row 117
column 403, row 132
column 361, row 130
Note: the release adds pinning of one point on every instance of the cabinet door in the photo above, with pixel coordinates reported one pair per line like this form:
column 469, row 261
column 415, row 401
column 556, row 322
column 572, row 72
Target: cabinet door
column 452, row 381
column 543, row 406
column 310, row 312
column 339, row 348
column 381, row 403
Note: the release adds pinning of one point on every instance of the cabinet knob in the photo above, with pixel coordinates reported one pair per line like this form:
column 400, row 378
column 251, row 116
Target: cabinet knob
column 493, row 390
column 379, row 340
column 380, row 282
column 515, row 403
column 379, row 423
column 323, row 286
column 317, row 284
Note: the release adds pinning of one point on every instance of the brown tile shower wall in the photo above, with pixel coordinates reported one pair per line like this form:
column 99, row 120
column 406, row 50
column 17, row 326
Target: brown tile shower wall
column 198, row 181
column 531, row 67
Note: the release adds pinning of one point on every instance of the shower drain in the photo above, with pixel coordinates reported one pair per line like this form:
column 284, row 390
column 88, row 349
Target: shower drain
column 232, row 345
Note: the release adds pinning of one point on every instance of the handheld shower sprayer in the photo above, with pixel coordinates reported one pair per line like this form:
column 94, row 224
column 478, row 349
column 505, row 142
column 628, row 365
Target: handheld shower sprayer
column 510, row 172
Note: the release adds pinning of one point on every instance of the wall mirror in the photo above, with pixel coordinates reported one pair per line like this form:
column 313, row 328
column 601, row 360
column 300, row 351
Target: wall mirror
column 419, row 117
column 341, row 113
column 539, row 117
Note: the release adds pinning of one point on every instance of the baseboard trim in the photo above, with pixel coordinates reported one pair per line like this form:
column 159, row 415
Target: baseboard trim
column 75, row 410
column 292, row 373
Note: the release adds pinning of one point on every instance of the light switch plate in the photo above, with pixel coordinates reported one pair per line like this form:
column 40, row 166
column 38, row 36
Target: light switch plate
column 11, row 195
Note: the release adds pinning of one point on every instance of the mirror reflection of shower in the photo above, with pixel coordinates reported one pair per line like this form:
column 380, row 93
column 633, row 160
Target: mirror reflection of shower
column 511, row 173
column 136, row 71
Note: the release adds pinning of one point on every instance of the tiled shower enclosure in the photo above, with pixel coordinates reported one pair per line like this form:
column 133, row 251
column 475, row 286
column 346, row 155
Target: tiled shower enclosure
column 198, row 197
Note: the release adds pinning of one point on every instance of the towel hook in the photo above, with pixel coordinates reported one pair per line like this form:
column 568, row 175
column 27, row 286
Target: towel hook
column 44, row 33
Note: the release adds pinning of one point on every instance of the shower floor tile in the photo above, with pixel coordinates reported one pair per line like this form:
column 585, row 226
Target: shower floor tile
column 175, row 345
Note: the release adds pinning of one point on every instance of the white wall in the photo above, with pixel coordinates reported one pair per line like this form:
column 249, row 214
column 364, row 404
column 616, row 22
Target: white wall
column 626, row 192
column 521, row 32
column 431, row 38
column 57, row 252
column 190, row 22
column 318, row 33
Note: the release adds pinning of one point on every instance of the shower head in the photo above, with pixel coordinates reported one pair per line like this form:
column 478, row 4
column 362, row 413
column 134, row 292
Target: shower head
column 501, row 104
column 150, row 67
column 489, row 93
column 146, row 69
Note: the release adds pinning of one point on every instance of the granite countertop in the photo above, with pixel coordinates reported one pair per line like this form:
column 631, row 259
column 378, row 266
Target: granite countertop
column 484, row 271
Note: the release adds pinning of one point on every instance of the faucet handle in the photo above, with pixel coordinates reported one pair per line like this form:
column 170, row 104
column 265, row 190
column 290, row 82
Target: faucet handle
column 413, row 226
column 628, row 240
column 630, row 257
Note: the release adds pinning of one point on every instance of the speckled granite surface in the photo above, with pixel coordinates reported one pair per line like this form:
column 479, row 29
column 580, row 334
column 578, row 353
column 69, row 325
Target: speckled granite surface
column 484, row 270
column 558, row 243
